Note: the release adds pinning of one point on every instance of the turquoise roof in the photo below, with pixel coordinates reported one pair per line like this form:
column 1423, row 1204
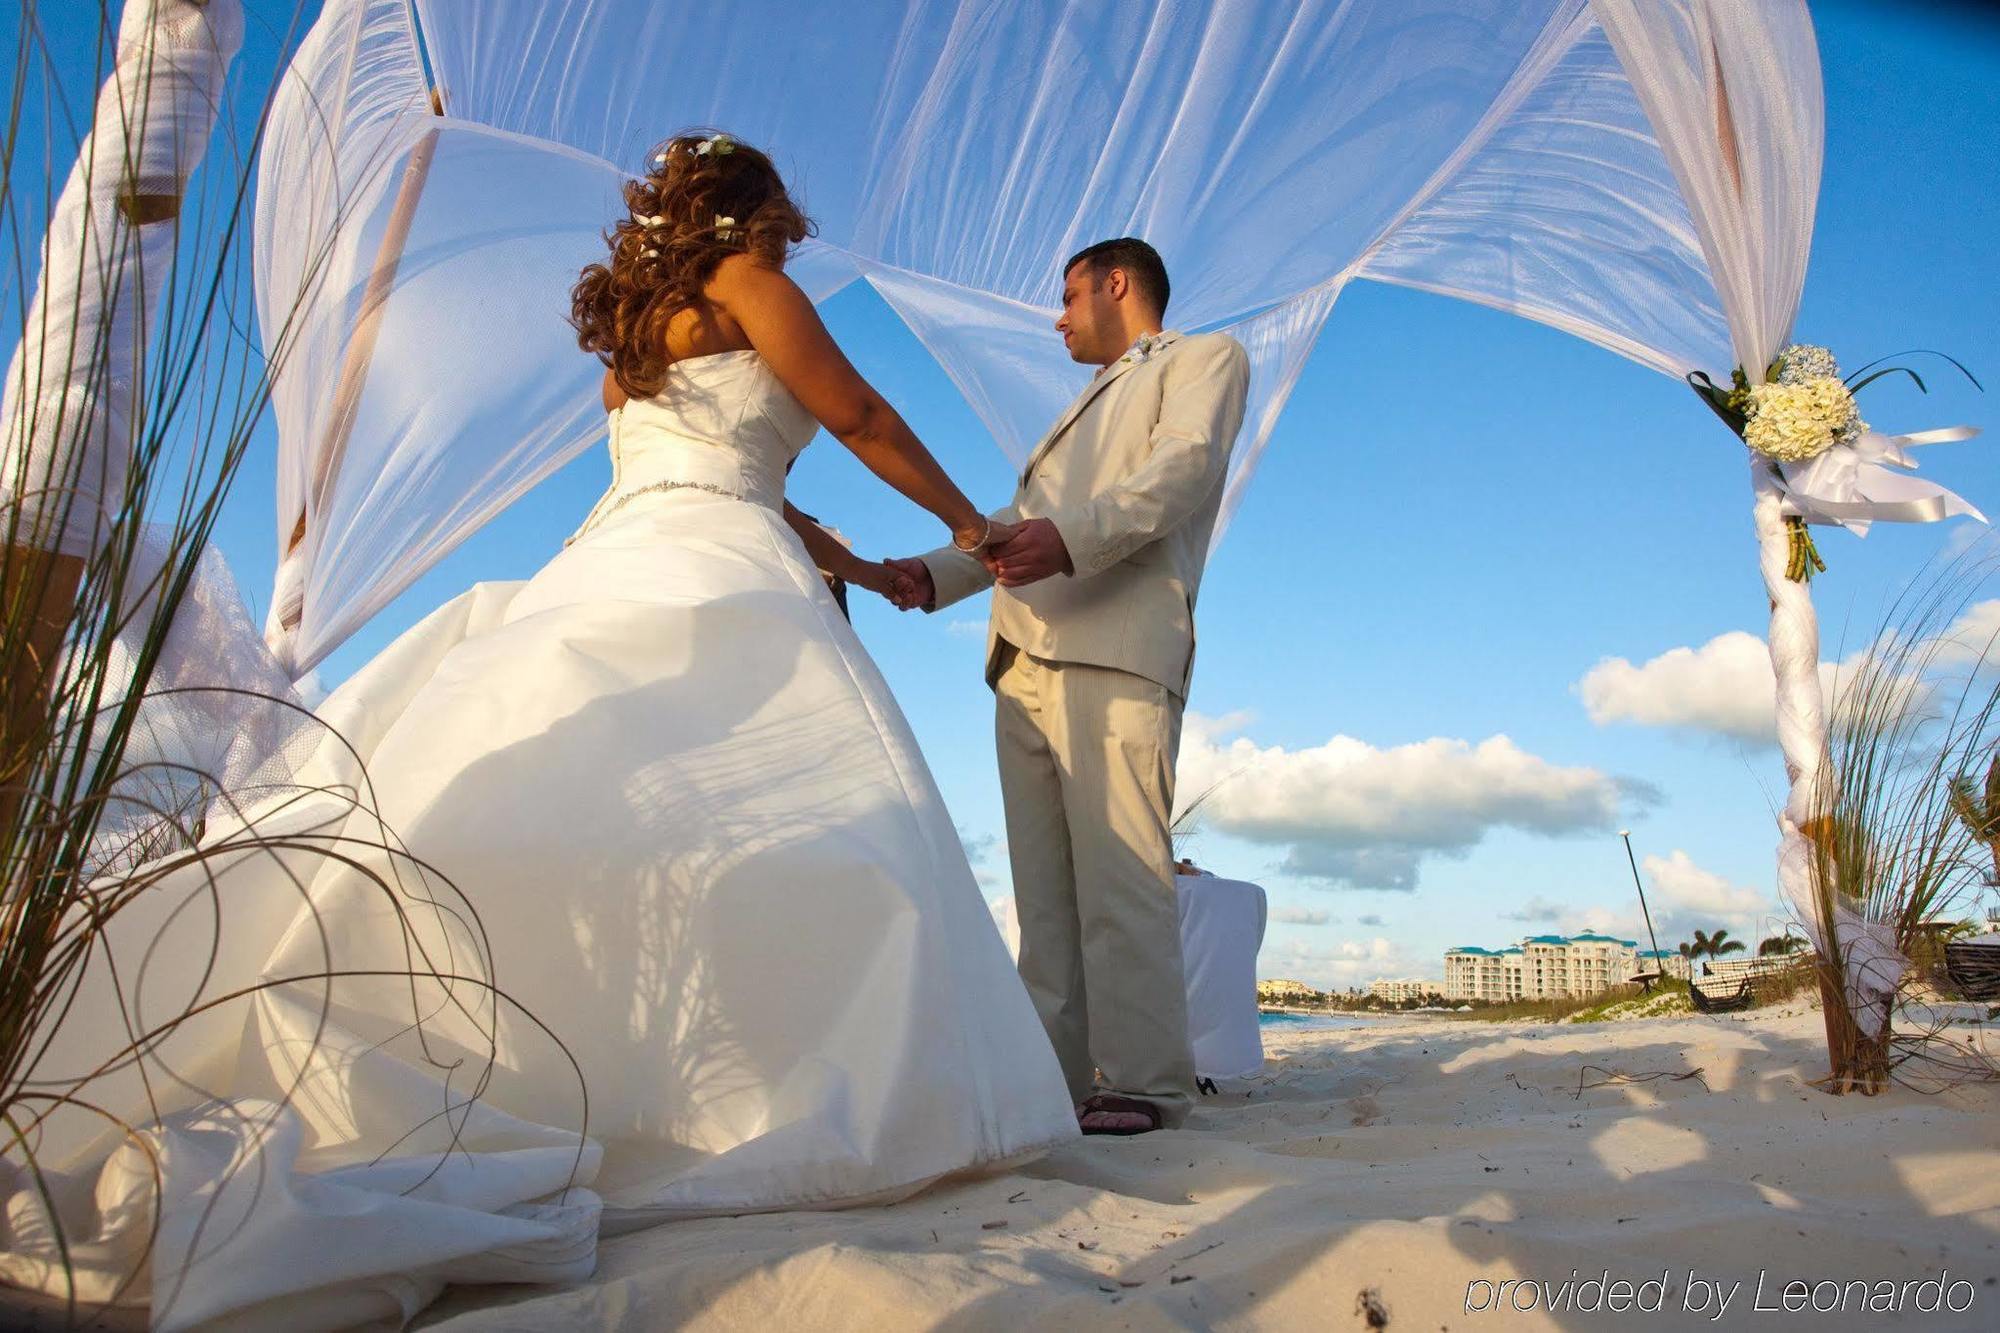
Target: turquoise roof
column 1587, row 936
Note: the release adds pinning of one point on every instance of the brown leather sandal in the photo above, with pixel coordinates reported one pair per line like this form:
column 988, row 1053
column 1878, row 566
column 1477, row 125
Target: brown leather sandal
column 1105, row 1101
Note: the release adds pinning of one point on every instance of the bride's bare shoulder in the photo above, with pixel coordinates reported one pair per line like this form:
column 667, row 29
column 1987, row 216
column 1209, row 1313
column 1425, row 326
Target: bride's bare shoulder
column 745, row 279
column 612, row 393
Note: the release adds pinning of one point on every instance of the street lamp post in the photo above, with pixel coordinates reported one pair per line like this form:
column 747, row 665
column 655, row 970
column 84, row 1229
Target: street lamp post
column 1659, row 961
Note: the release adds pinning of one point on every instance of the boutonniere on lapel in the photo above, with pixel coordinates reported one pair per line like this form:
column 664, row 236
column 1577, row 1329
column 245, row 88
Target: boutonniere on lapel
column 1142, row 350
column 1148, row 346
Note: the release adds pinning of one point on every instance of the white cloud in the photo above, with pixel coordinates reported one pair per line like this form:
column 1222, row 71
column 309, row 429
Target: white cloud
column 966, row 629
column 1965, row 536
column 977, row 846
column 1725, row 688
column 1683, row 896
column 1686, row 897
column 1338, row 966
column 1973, row 637
column 1536, row 908
column 1350, row 813
column 1007, row 922
column 1300, row 916
column 1370, row 920
column 311, row 689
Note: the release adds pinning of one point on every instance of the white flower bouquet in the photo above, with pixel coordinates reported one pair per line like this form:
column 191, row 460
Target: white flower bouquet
column 1804, row 421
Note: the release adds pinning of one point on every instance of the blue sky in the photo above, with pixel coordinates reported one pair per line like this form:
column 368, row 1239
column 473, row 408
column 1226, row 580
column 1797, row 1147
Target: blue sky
column 1459, row 516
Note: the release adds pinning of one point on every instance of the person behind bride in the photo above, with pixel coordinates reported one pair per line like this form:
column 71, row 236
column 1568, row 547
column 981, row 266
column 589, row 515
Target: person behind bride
column 703, row 849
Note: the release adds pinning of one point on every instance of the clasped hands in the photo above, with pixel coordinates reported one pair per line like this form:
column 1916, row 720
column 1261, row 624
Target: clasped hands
column 1016, row 554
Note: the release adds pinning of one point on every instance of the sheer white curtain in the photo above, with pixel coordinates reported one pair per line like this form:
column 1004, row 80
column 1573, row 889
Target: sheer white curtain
column 954, row 154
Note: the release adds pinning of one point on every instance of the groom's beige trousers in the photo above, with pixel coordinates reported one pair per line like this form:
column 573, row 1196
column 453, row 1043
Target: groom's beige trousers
column 1087, row 774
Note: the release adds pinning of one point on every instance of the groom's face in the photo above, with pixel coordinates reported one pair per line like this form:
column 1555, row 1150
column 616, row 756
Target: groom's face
column 1089, row 321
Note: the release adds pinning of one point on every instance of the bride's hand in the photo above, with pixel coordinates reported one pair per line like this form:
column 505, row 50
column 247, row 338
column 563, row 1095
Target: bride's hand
column 885, row 580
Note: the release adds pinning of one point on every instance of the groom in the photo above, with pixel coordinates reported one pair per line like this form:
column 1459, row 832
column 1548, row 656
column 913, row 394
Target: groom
column 1089, row 654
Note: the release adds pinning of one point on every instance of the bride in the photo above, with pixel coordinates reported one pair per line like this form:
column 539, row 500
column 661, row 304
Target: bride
column 703, row 849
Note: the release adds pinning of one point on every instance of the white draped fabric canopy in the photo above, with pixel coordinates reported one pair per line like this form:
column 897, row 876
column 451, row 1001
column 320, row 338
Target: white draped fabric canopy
column 440, row 169
column 1640, row 173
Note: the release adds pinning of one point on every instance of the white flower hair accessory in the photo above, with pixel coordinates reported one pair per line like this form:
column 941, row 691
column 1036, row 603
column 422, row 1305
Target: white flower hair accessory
column 719, row 145
column 725, row 228
column 650, row 219
column 649, row 254
column 659, row 159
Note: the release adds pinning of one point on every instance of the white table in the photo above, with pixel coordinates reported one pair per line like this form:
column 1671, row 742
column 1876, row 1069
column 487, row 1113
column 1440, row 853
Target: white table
column 1222, row 927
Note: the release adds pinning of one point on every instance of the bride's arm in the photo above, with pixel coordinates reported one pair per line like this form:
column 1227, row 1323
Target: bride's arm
column 786, row 331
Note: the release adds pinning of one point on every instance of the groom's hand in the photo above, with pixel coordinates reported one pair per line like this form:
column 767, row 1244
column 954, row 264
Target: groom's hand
column 913, row 589
column 1035, row 551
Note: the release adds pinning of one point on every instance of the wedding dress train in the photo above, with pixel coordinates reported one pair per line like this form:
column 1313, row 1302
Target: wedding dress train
column 697, row 847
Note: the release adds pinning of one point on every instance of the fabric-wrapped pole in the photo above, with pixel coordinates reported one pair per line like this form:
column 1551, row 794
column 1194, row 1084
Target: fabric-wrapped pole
column 71, row 412
column 74, row 387
column 1747, row 152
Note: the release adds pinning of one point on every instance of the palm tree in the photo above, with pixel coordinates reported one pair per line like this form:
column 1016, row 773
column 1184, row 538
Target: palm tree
column 1980, row 812
column 1714, row 946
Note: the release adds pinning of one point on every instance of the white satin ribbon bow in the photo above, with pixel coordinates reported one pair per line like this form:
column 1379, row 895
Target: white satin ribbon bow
column 1852, row 485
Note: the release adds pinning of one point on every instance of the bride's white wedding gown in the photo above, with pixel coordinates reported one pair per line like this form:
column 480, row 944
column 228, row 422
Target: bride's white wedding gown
column 703, row 850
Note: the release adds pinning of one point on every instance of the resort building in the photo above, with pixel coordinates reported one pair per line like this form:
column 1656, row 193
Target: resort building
column 1546, row 967
column 1665, row 962
column 1473, row 973
column 1404, row 988
column 1283, row 991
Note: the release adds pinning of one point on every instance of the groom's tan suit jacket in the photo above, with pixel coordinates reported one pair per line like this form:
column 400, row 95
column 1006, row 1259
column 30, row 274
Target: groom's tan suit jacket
column 1131, row 476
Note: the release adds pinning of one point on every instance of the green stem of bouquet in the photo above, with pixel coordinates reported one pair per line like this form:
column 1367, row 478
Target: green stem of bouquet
column 1804, row 561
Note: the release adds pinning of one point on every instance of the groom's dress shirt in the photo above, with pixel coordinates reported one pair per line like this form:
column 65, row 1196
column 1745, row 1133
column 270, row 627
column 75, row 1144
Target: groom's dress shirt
column 1131, row 476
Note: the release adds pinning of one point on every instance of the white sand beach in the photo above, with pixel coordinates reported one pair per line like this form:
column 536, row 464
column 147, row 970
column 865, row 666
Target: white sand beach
column 1377, row 1176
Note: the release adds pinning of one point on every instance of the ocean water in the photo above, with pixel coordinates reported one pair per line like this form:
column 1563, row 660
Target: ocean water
column 1303, row 1022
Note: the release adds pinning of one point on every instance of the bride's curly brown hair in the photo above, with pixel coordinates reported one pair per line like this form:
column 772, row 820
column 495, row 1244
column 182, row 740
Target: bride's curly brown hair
column 694, row 207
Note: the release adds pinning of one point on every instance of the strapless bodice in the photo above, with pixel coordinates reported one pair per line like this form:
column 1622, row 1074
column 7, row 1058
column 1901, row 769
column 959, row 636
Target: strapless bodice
column 723, row 423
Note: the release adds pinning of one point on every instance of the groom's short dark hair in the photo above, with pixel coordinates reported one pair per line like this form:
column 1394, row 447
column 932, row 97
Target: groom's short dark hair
column 1140, row 261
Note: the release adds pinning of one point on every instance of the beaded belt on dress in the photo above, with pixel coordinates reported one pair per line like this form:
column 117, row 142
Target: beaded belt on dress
column 635, row 493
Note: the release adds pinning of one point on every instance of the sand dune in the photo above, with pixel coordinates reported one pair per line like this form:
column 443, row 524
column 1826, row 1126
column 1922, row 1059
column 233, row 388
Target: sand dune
column 1393, row 1175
